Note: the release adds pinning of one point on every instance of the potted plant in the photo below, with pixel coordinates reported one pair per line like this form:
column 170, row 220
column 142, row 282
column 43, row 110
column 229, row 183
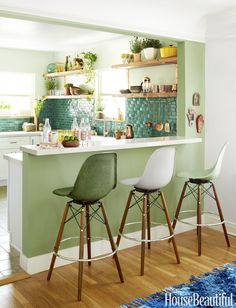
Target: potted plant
column 68, row 88
column 99, row 111
column 136, row 48
column 50, row 84
column 150, row 48
column 89, row 58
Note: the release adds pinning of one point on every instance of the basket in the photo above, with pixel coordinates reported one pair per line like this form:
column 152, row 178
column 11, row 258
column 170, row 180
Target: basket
column 70, row 144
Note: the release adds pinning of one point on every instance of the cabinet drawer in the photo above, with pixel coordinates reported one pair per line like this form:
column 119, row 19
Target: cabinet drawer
column 13, row 142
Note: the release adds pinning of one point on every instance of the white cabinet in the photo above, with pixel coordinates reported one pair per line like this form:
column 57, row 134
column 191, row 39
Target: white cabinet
column 12, row 144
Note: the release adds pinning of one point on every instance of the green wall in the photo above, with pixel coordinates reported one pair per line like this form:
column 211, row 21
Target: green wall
column 42, row 210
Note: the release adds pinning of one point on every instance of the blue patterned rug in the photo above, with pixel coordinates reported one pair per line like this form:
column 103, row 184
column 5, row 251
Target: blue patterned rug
column 213, row 289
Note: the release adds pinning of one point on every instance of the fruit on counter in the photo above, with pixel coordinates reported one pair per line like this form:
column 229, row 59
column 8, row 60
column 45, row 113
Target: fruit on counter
column 71, row 138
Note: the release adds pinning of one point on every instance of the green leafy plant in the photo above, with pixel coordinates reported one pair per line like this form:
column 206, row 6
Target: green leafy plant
column 146, row 43
column 50, row 84
column 136, row 45
column 38, row 106
column 89, row 58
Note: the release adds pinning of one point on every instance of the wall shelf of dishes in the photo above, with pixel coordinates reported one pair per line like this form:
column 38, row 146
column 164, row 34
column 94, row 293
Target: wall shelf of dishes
column 145, row 95
column 66, row 73
column 164, row 61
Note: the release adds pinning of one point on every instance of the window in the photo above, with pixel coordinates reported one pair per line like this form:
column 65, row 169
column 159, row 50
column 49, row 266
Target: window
column 110, row 83
column 17, row 92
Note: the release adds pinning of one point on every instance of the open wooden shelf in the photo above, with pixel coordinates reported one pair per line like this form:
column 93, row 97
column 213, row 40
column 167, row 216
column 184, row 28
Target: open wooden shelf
column 163, row 61
column 64, row 74
column 144, row 95
column 70, row 96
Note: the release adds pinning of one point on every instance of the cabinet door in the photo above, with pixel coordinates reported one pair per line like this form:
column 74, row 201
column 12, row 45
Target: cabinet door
column 4, row 164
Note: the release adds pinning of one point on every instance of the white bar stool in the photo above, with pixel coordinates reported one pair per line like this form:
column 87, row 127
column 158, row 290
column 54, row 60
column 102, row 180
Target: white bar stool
column 157, row 174
column 196, row 185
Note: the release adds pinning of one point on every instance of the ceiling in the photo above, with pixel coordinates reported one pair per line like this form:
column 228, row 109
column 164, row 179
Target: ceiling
column 16, row 33
column 180, row 19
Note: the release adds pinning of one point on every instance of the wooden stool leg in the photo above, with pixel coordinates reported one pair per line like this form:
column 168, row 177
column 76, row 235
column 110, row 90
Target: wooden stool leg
column 144, row 213
column 113, row 246
column 169, row 226
column 124, row 218
column 58, row 241
column 221, row 215
column 88, row 234
column 199, row 220
column 81, row 253
column 179, row 207
column 149, row 221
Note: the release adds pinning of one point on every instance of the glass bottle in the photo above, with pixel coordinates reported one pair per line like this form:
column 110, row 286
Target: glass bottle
column 75, row 127
column 82, row 129
column 47, row 132
column 88, row 129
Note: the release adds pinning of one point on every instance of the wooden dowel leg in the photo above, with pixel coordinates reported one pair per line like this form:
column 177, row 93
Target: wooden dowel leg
column 58, row 240
column 143, row 237
column 124, row 218
column 169, row 226
column 199, row 220
column 81, row 253
column 149, row 221
column 179, row 207
column 88, row 234
column 221, row 215
column 113, row 246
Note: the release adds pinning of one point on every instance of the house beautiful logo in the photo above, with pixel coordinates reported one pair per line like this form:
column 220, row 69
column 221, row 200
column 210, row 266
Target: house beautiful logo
column 217, row 300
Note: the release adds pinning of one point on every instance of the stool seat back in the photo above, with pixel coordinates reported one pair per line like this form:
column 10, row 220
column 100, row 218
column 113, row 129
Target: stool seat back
column 159, row 169
column 96, row 178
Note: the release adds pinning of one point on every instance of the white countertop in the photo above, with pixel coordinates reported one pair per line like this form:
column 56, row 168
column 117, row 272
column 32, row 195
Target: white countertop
column 19, row 134
column 18, row 157
column 110, row 144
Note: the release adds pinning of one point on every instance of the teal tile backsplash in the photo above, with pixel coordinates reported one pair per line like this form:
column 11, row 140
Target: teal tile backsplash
column 138, row 112
column 141, row 110
column 13, row 124
column 62, row 111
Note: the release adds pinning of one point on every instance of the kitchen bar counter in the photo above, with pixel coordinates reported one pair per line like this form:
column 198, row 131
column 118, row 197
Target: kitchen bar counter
column 110, row 144
column 38, row 211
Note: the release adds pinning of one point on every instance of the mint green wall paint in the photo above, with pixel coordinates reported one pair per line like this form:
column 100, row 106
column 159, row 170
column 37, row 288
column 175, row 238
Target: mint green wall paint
column 27, row 61
column 42, row 210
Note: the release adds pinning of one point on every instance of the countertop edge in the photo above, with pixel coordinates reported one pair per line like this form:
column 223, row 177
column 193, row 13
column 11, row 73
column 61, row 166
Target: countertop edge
column 148, row 142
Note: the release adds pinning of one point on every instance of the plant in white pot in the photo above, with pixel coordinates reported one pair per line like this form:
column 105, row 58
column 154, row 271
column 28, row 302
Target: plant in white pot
column 136, row 48
column 150, row 48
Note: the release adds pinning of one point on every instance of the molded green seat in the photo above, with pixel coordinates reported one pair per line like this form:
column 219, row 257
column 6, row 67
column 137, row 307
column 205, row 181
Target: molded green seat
column 208, row 174
column 198, row 185
column 96, row 178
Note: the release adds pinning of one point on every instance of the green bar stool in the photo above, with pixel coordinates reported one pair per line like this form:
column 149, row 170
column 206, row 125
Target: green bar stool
column 96, row 178
column 199, row 184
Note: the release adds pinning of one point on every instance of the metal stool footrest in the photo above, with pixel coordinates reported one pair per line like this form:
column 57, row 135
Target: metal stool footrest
column 215, row 216
column 96, row 258
column 146, row 240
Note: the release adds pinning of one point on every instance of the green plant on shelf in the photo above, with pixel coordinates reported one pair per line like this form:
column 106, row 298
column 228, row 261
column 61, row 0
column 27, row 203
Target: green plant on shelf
column 146, row 43
column 51, row 85
column 136, row 45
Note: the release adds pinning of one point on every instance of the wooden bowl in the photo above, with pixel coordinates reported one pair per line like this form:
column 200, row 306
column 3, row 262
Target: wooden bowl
column 70, row 144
